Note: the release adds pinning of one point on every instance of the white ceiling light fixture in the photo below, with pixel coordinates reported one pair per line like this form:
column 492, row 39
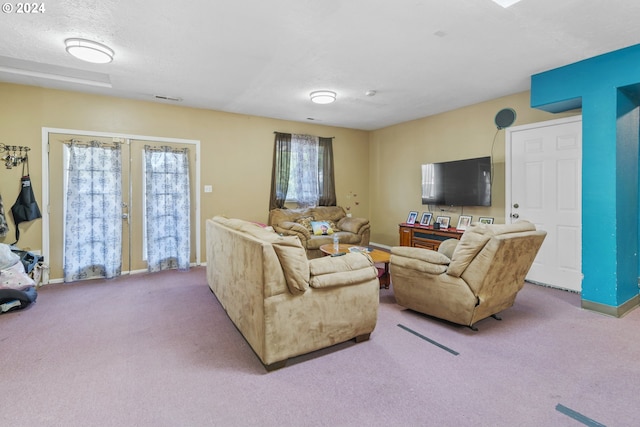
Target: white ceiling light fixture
column 323, row 96
column 89, row 51
column 506, row 3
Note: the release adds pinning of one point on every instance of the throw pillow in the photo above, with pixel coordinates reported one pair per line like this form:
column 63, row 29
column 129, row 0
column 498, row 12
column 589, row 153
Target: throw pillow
column 321, row 228
column 306, row 222
column 294, row 262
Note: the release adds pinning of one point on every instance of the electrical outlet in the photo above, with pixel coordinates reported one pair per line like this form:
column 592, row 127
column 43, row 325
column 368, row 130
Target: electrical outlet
column 208, row 188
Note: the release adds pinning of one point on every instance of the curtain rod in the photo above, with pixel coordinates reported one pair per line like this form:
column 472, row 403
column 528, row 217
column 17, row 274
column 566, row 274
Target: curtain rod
column 166, row 148
column 90, row 143
column 331, row 137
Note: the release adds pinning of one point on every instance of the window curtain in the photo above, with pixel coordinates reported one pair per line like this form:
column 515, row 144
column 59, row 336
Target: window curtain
column 304, row 176
column 280, row 171
column 167, row 196
column 93, row 211
column 327, row 186
column 303, row 166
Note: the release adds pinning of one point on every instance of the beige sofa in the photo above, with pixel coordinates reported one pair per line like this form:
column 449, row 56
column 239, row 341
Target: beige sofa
column 469, row 280
column 284, row 304
column 296, row 222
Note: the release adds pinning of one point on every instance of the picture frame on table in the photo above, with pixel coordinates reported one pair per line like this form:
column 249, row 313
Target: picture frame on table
column 464, row 221
column 443, row 221
column 411, row 219
column 426, row 218
column 485, row 220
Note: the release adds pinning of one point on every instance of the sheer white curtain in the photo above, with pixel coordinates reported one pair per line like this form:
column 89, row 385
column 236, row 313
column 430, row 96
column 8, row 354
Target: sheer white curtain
column 167, row 195
column 93, row 211
column 303, row 178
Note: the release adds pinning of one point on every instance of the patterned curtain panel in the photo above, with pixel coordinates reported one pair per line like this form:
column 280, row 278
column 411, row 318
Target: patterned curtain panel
column 167, row 208
column 93, row 212
column 303, row 178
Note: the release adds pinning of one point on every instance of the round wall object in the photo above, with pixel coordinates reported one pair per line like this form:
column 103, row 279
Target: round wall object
column 505, row 118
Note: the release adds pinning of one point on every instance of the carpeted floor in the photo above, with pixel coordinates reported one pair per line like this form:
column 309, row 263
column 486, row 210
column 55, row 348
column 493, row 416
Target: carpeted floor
column 158, row 350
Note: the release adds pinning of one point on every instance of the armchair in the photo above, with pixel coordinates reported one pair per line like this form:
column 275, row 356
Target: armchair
column 485, row 271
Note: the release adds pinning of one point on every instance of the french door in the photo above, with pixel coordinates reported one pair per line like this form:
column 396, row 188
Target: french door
column 132, row 215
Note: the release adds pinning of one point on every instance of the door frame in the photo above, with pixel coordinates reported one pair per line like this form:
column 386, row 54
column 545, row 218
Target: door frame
column 45, row 178
column 507, row 164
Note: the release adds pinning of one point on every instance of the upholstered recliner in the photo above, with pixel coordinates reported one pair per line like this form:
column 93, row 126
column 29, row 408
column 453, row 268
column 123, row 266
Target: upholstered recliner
column 297, row 222
column 478, row 277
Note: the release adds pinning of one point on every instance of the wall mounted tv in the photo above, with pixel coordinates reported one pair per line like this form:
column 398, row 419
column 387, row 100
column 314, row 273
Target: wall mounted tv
column 457, row 183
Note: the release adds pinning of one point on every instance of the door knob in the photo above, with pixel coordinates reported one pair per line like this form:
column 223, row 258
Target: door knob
column 515, row 215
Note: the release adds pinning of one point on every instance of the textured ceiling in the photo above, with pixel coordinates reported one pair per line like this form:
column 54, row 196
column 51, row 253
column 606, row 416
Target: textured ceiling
column 263, row 58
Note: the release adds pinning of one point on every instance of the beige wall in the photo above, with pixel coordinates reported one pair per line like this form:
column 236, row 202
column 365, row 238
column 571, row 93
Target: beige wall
column 382, row 167
column 397, row 152
column 236, row 149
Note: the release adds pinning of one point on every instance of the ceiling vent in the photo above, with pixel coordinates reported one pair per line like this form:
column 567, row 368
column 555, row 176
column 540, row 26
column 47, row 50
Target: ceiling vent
column 168, row 98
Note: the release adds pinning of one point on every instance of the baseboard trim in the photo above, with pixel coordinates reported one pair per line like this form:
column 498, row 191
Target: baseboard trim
column 124, row 273
column 380, row 245
column 609, row 310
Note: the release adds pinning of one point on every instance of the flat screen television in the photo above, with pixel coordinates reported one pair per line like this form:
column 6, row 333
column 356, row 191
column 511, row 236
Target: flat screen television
column 457, row 183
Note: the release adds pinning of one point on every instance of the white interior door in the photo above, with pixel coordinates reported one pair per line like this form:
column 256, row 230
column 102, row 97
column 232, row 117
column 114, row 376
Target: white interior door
column 544, row 186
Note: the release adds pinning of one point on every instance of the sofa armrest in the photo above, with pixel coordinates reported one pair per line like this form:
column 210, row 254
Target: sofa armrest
column 349, row 269
column 419, row 259
column 447, row 247
column 353, row 225
column 293, row 229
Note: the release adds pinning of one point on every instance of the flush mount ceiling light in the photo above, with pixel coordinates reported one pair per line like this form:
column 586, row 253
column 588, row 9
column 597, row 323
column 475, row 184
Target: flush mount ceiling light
column 89, row 51
column 323, row 96
column 506, row 3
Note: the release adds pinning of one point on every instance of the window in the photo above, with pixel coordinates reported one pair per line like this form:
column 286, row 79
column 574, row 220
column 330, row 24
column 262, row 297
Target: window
column 302, row 171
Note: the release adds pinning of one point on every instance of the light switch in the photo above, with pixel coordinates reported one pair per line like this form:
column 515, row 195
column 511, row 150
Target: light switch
column 208, row 188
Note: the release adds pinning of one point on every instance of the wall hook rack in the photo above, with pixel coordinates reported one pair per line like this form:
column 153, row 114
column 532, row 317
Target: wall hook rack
column 15, row 155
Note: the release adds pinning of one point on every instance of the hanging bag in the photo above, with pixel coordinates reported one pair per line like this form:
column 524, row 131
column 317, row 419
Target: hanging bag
column 25, row 209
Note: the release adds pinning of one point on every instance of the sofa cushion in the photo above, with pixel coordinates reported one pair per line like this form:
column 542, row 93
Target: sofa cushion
column 421, row 254
column 294, row 262
column 471, row 242
column 306, row 222
column 419, row 259
column 416, row 265
column 476, row 237
column 347, row 262
column 333, row 213
column 352, row 225
column 348, row 269
column 516, row 227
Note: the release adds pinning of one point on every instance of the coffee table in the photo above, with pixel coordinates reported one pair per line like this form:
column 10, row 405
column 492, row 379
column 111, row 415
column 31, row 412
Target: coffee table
column 376, row 255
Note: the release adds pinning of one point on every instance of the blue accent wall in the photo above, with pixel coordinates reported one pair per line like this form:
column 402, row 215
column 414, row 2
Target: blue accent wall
column 607, row 87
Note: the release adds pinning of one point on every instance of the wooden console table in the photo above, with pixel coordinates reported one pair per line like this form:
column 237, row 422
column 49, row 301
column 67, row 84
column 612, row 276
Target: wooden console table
column 420, row 236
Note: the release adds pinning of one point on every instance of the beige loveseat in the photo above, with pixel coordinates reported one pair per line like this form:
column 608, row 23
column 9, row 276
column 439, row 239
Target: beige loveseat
column 478, row 277
column 284, row 304
column 297, row 222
